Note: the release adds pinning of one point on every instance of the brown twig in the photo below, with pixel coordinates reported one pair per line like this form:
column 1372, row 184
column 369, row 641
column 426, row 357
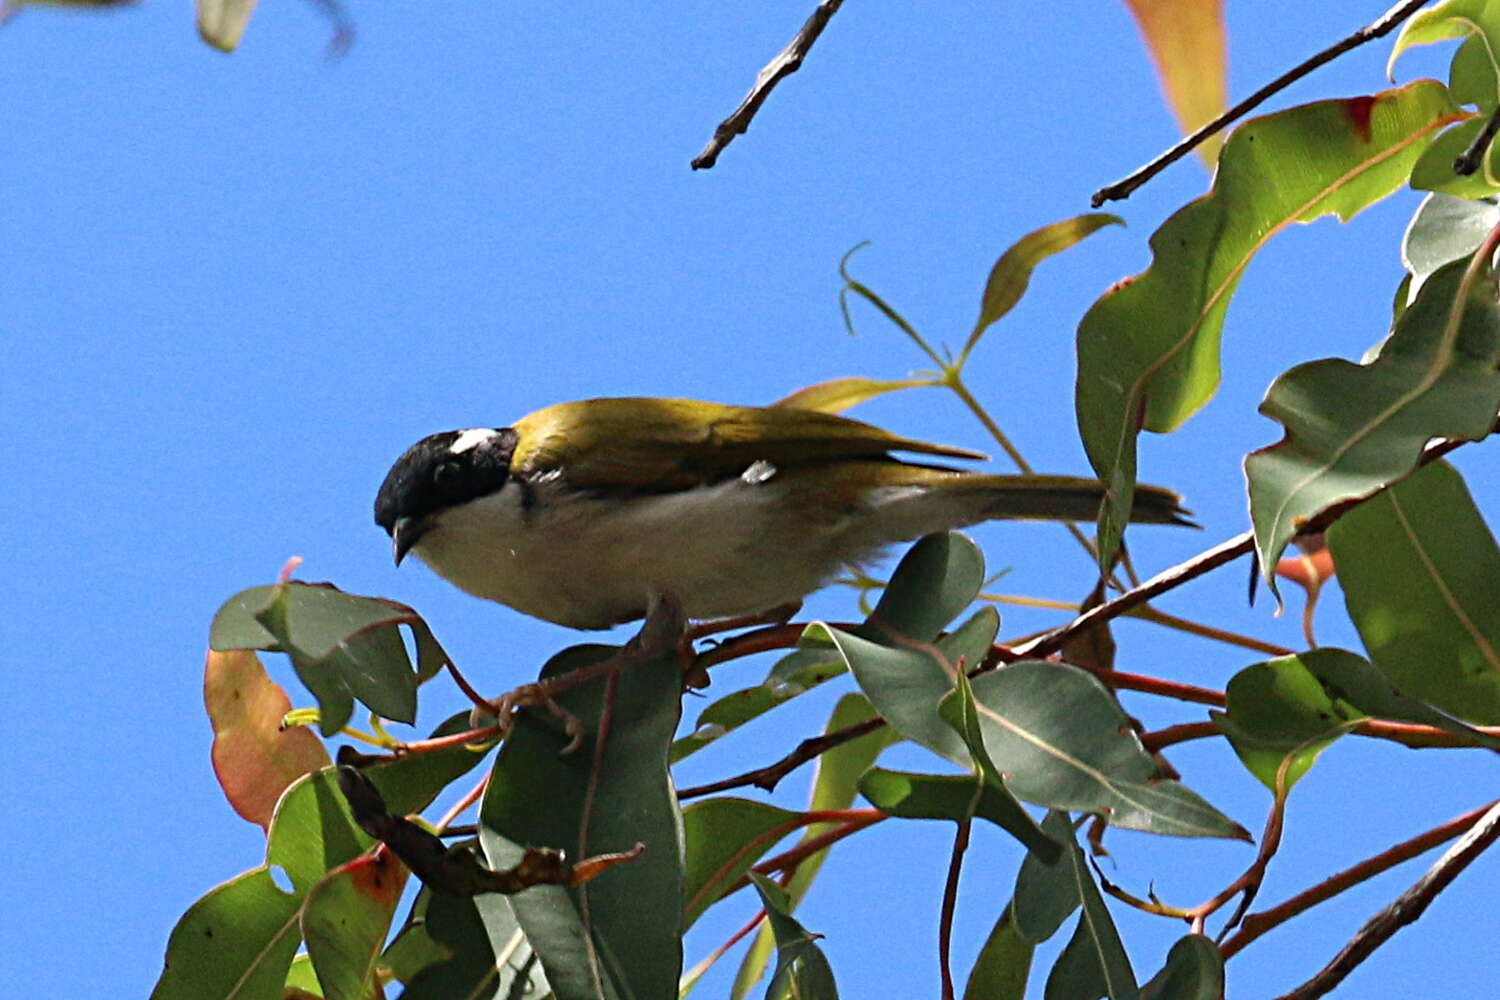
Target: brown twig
column 1124, row 188
column 1467, row 162
column 1405, row 909
column 950, row 895
column 1203, row 562
column 787, row 62
column 767, row 777
column 1257, row 924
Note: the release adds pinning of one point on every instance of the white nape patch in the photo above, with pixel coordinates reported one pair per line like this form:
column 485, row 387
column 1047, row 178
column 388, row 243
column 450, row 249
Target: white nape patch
column 758, row 472
column 471, row 438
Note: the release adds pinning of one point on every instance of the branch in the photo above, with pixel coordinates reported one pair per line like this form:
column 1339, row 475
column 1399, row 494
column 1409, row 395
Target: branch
column 1219, row 555
column 1469, row 160
column 769, row 776
column 1257, row 924
column 787, row 62
column 1123, row 189
column 1405, row 909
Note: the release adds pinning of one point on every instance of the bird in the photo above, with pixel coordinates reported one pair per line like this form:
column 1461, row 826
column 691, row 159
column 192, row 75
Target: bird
column 581, row 512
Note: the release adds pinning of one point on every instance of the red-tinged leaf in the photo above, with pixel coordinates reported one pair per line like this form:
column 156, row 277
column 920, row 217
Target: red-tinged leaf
column 1186, row 42
column 345, row 920
column 1309, row 568
column 254, row 758
column 1148, row 351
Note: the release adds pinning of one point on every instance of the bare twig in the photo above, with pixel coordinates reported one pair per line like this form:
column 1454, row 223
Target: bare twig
column 1384, row 25
column 1257, row 924
column 1224, row 552
column 1405, row 909
column 787, row 62
column 769, row 776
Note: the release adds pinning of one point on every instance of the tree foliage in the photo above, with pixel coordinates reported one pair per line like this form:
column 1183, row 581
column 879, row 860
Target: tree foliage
column 1024, row 735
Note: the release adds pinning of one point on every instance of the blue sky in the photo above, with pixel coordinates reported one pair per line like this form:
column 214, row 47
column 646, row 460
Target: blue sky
column 234, row 288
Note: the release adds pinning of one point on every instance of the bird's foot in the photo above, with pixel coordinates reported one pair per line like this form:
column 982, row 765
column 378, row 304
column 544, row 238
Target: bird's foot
column 660, row 636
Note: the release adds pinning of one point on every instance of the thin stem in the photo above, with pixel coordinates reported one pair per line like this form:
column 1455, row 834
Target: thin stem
column 789, row 860
column 1124, row 188
column 950, row 895
column 769, row 776
column 1147, row 613
column 697, row 971
column 1257, row 924
column 1405, row 909
column 470, row 797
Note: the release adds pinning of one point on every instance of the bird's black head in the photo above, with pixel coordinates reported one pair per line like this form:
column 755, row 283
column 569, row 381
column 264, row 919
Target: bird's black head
column 438, row 472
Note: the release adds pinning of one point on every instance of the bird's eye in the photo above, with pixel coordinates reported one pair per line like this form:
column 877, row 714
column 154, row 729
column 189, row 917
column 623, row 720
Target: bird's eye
column 447, row 475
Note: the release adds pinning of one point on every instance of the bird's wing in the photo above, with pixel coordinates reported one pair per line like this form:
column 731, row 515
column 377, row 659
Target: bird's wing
column 660, row 445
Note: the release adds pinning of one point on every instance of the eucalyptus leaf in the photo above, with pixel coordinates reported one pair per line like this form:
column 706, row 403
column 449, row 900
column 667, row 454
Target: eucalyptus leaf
column 538, row 796
column 801, row 968
column 1061, row 740
column 1279, row 710
column 1194, row 971
column 1003, row 966
column 1420, row 572
column 1351, row 429
column 1148, row 350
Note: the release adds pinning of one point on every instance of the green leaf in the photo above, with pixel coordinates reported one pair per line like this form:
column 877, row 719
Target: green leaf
column 221, row 23
column 1012, row 272
column 341, row 645
column 1194, row 971
column 1280, row 719
column 345, row 920
column 537, row 797
column 801, row 968
column 1148, row 350
column 1351, row 429
column 1356, row 680
column 725, row 836
column 1062, row 741
column 1445, row 228
column 793, row 675
column 959, row 710
column 840, row 394
column 302, row 977
column 905, row 682
column 1003, row 965
column 951, row 796
column 834, row 785
column 1094, row 963
column 937, row 578
column 237, row 941
column 1434, row 171
column 1420, row 572
column 1046, row 894
column 1444, row 21
column 465, row 955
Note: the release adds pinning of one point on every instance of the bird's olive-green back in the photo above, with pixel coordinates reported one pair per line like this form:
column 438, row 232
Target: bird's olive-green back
column 656, row 445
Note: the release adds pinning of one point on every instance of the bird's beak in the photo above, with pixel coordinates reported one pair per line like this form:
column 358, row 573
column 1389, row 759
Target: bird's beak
column 407, row 532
